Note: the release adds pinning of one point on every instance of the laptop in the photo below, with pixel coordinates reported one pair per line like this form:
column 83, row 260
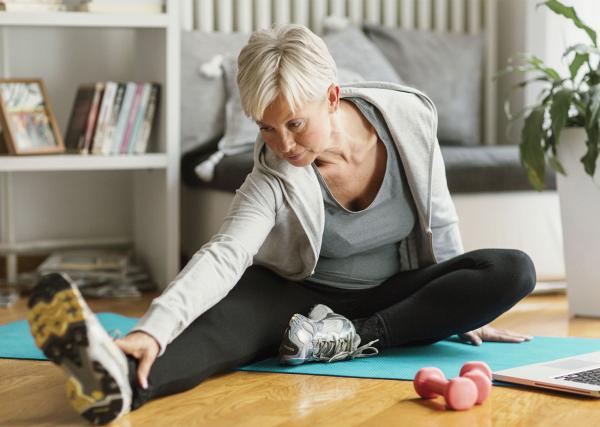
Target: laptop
column 576, row 374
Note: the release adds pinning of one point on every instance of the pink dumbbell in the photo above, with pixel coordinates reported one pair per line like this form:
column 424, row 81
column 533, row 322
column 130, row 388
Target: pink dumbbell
column 481, row 374
column 460, row 393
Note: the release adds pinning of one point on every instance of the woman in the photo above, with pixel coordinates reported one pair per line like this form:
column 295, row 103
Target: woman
column 345, row 211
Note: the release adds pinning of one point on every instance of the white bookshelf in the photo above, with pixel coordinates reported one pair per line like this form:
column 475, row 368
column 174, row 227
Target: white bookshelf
column 93, row 198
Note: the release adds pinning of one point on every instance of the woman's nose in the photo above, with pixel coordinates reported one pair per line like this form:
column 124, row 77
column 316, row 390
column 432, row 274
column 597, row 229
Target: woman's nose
column 286, row 142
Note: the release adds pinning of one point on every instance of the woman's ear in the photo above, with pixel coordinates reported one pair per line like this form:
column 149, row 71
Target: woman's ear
column 333, row 98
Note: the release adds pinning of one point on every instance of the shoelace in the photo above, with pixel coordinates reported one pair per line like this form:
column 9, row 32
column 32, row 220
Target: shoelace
column 340, row 348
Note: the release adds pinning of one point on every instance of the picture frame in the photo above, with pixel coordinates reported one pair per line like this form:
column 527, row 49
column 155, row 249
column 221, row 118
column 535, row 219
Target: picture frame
column 27, row 119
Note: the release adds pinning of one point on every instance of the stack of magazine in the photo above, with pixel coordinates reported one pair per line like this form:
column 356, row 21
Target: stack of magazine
column 100, row 273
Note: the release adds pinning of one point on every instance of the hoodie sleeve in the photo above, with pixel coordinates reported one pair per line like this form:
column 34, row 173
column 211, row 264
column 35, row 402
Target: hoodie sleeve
column 218, row 265
column 447, row 242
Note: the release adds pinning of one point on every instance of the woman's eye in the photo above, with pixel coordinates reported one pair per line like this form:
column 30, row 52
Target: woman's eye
column 295, row 124
column 263, row 129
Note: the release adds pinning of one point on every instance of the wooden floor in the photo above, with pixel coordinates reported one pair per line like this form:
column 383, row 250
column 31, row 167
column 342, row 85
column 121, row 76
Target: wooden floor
column 32, row 393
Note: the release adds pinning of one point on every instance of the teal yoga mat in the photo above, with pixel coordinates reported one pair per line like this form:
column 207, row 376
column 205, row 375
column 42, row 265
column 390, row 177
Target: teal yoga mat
column 448, row 355
column 16, row 341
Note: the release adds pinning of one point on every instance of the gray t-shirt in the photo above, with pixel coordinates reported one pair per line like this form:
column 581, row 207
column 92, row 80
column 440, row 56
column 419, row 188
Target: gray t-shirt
column 361, row 249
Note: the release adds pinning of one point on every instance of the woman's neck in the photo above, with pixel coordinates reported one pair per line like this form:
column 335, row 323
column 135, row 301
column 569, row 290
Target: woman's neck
column 352, row 138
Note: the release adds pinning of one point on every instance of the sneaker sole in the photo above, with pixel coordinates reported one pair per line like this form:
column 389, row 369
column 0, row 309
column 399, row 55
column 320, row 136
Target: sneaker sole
column 58, row 324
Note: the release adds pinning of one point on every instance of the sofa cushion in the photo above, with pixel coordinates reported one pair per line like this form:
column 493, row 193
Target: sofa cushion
column 203, row 98
column 468, row 170
column 352, row 50
column 448, row 67
column 488, row 168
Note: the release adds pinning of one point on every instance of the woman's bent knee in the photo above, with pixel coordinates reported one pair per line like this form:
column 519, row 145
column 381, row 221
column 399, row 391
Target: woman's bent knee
column 517, row 271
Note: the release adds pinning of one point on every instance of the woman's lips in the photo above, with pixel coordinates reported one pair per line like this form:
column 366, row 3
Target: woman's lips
column 295, row 156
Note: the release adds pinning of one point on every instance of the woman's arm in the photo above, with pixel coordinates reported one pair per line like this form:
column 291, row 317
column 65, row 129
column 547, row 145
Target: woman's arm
column 215, row 269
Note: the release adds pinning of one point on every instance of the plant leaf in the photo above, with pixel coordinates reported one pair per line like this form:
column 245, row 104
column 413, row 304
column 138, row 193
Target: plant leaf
column 593, row 105
column 582, row 49
column 532, row 153
column 539, row 65
column 577, row 62
column 569, row 12
column 589, row 159
column 559, row 111
column 556, row 165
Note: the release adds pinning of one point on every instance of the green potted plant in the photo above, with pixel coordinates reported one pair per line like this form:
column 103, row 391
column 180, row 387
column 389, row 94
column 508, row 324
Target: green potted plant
column 566, row 101
column 562, row 131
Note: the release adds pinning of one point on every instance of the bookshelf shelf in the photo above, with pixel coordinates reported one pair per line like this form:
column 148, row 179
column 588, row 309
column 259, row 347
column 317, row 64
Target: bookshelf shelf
column 83, row 19
column 76, row 162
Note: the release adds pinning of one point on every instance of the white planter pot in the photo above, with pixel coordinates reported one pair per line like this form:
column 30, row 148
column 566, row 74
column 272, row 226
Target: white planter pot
column 580, row 213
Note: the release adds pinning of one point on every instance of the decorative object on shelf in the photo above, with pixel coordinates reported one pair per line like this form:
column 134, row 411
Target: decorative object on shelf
column 563, row 130
column 112, row 118
column 27, row 119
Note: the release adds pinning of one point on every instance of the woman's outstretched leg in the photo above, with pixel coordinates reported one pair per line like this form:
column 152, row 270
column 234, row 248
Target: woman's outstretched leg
column 246, row 325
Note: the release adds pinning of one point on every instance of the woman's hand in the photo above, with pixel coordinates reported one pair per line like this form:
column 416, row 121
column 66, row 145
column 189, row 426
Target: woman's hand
column 143, row 347
column 487, row 333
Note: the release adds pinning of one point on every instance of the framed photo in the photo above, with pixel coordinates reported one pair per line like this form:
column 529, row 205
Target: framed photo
column 28, row 123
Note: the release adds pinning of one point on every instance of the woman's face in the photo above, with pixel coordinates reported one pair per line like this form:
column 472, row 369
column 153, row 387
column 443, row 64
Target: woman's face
column 299, row 138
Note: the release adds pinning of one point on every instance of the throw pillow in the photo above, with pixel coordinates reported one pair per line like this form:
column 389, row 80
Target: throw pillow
column 203, row 97
column 352, row 50
column 447, row 67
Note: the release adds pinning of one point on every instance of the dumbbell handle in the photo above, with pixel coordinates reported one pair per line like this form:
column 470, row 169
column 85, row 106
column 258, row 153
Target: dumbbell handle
column 437, row 385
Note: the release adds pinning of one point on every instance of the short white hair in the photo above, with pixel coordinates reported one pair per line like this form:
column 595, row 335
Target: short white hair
column 288, row 59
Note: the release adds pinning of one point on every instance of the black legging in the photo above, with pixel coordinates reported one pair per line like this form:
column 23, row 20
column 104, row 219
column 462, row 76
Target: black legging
column 418, row 306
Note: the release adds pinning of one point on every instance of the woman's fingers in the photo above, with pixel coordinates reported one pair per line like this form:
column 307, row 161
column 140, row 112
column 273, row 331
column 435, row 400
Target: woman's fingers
column 472, row 337
column 503, row 335
column 143, row 352
column 487, row 333
column 144, row 369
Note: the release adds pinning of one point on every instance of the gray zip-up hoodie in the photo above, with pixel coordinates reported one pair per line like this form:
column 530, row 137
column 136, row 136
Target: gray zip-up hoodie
column 277, row 216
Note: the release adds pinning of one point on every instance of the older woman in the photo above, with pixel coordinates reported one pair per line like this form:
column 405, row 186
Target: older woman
column 346, row 213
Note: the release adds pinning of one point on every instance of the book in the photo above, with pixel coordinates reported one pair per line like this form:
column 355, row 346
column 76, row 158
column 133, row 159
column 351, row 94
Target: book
column 110, row 89
column 92, row 119
column 135, row 107
column 82, row 105
column 139, row 118
column 111, row 123
column 121, row 125
column 147, row 125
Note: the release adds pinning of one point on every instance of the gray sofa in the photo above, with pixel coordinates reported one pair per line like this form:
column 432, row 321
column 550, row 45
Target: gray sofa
column 447, row 67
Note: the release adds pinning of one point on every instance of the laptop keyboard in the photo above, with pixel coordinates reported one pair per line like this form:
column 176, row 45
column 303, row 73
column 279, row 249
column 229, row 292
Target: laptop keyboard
column 588, row 377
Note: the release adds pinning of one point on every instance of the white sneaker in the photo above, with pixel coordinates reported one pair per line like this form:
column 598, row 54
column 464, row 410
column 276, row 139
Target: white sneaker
column 323, row 336
column 71, row 336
